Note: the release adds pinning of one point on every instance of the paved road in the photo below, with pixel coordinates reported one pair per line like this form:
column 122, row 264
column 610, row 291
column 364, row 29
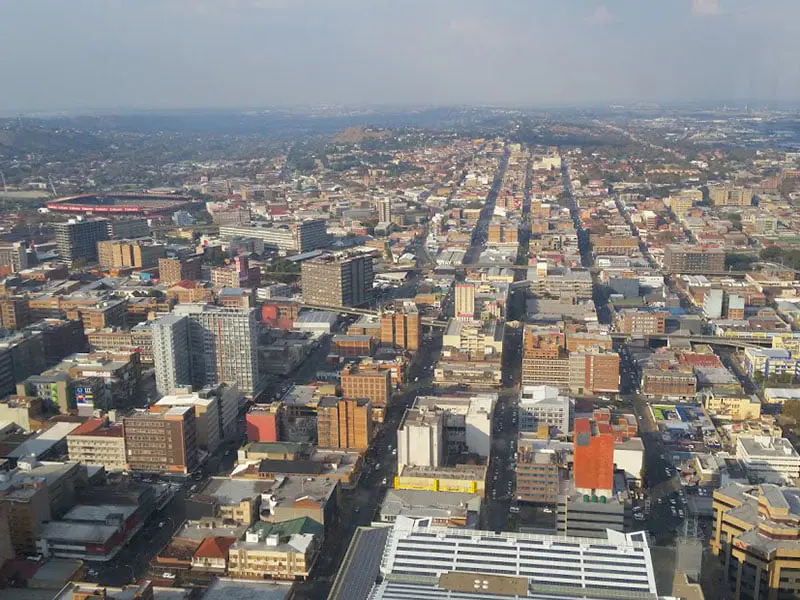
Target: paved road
column 480, row 233
column 360, row 505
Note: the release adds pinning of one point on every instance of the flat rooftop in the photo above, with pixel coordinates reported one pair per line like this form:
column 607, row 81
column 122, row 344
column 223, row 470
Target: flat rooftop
column 770, row 447
column 239, row 589
column 233, row 491
column 96, row 513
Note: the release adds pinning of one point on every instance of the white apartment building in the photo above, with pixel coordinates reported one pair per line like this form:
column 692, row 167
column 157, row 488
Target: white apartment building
column 467, row 420
column 769, row 459
column 543, row 404
column 420, row 439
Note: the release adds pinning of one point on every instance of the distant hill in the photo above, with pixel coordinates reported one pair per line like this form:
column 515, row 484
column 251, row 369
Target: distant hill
column 42, row 140
column 354, row 135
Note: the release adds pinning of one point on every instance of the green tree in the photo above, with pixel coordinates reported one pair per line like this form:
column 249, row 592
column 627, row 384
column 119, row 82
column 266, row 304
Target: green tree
column 772, row 254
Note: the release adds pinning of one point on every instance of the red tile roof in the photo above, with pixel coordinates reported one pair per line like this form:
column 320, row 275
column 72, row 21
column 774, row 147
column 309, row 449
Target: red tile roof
column 214, row 547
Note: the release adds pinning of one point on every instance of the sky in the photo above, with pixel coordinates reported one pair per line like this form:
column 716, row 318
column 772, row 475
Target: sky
column 84, row 55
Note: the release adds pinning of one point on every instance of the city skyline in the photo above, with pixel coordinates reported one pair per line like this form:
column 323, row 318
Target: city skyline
column 259, row 53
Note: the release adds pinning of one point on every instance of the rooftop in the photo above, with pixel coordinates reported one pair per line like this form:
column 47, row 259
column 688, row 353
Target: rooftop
column 238, row 589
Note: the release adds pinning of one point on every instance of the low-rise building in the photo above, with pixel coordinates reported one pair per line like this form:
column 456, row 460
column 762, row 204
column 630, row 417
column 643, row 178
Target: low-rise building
column 544, row 405
column 98, row 442
column 280, row 550
column 769, row 459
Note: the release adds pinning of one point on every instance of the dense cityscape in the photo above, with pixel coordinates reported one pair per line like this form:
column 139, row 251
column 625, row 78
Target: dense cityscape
column 519, row 356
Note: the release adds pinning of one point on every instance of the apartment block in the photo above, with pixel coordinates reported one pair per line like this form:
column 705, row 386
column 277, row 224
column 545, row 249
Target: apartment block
column 693, row 259
column 173, row 270
column 21, row 355
column 402, row 328
column 77, row 238
column 464, row 301
column 344, row 423
column 642, row 322
column 161, row 441
column 337, row 281
column 98, row 442
column 137, row 254
column 374, row 385
column 14, row 312
column 303, row 236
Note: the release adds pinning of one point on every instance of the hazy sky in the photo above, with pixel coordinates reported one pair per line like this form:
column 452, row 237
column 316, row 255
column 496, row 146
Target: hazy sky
column 84, row 54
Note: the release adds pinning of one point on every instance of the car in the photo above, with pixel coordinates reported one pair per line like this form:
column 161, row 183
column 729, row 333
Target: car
column 168, row 575
column 681, row 514
column 514, row 509
column 394, row 451
column 384, row 481
column 674, row 512
column 416, row 379
column 378, row 467
column 160, row 524
column 357, row 509
column 638, row 516
column 547, row 511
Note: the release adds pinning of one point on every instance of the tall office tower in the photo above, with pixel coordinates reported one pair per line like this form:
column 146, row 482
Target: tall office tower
column 384, row 210
column 402, row 328
column 334, row 281
column 14, row 256
column 684, row 258
column 344, row 423
column 223, row 346
column 162, row 441
column 14, row 312
column 173, row 270
column 77, row 238
column 171, row 352
column 465, row 302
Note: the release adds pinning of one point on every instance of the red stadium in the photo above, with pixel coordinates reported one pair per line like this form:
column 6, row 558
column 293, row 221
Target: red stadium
column 120, row 204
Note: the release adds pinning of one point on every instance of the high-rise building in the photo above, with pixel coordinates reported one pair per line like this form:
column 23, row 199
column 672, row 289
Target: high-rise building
column 344, row 423
column 21, row 355
column 593, row 462
column 402, row 328
column 221, row 348
column 14, row 312
column 420, row 439
column 385, row 210
column 464, row 301
column 593, row 372
column 14, row 256
column 77, row 238
column 334, row 281
column 161, row 441
column 138, row 254
column 173, row 270
column 757, row 538
column 693, row 259
column 207, row 415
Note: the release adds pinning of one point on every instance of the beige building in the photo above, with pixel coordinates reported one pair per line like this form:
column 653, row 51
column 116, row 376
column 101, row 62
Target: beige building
column 138, row 254
column 757, row 538
column 96, row 442
column 738, row 407
column 284, row 550
column 464, row 301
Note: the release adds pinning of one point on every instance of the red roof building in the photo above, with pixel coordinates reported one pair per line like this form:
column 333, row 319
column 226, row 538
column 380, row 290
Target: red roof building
column 593, row 463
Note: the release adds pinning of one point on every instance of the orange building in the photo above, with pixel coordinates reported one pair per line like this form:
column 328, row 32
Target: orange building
column 344, row 423
column 593, row 462
column 402, row 329
column 375, row 385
